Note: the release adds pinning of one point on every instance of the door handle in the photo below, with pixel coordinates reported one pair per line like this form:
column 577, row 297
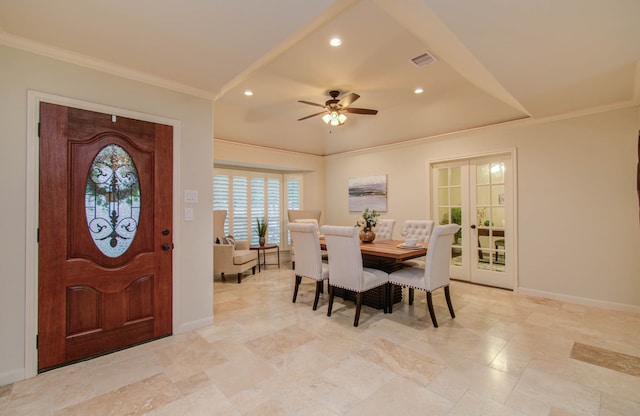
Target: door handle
column 165, row 231
column 473, row 226
column 166, row 246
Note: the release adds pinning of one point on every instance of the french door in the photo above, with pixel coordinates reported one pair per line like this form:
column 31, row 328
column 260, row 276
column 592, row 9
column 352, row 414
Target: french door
column 478, row 194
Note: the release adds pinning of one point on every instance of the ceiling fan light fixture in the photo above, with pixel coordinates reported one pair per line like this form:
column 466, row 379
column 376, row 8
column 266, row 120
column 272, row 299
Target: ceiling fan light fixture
column 334, row 118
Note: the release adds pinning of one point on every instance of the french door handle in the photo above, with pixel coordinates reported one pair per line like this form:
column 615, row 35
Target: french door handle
column 473, row 226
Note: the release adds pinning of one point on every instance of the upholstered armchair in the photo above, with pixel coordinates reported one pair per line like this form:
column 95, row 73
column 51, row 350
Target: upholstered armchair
column 230, row 256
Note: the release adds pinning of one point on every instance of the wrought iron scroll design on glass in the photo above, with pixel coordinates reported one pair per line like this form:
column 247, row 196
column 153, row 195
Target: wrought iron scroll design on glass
column 112, row 200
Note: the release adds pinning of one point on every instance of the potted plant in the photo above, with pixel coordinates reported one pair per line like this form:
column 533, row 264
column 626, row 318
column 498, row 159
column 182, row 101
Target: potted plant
column 367, row 222
column 261, row 228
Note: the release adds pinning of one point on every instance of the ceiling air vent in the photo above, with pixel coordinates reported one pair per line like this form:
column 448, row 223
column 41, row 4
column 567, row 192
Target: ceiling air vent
column 424, row 59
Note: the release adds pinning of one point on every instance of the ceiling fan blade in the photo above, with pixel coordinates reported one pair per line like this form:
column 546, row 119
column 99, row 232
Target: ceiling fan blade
column 310, row 103
column 312, row 115
column 347, row 100
column 361, row 111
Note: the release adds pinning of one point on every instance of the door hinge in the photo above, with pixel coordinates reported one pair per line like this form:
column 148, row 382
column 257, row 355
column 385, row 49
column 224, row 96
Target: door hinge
column 38, row 129
column 38, row 235
column 37, row 341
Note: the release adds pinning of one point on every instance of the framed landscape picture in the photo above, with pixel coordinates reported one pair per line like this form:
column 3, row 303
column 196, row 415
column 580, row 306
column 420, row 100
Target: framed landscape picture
column 368, row 192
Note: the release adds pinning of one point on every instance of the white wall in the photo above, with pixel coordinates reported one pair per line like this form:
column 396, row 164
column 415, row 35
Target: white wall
column 22, row 71
column 579, row 234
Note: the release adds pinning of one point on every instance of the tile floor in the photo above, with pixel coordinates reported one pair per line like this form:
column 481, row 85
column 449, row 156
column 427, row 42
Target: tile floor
column 504, row 354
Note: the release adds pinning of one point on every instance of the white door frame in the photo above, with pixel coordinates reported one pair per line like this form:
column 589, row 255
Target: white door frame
column 514, row 226
column 34, row 98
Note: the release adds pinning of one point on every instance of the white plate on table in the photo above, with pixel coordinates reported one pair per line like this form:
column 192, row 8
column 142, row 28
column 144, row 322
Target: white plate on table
column 403, row 245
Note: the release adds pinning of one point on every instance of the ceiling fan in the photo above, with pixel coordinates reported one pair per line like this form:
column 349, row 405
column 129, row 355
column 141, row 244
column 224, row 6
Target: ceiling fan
column 334, row 108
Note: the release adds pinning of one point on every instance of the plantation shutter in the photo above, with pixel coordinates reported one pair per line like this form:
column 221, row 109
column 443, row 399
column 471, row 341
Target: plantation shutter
column 273, row 211
column 221, row 197
column 240, row 212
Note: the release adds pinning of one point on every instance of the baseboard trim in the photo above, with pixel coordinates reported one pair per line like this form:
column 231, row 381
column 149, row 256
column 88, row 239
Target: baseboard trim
column 192, row 325
column 12, row 376
column 580, row 300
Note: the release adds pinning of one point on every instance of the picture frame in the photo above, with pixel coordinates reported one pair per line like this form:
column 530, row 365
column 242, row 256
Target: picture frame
column 368, row 192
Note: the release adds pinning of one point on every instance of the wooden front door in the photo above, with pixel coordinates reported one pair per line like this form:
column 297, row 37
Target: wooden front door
column 105, row 233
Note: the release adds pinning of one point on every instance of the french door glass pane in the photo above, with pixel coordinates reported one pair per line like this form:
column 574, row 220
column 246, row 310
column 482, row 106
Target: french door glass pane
column 450, row 206
column 490, row 216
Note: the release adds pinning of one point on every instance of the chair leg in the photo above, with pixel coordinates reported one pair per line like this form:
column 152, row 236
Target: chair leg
column 295, row 289
column 239, row 278
column 386, row 297
column 392, row 293
column 447, row 295
column 330, row 300
column 318, row 289
column 431, row 311
column 358, row 307
column 411, row 294
column 253, row 270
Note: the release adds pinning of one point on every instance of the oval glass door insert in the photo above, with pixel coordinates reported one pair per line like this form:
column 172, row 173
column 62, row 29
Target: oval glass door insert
column 112, row 200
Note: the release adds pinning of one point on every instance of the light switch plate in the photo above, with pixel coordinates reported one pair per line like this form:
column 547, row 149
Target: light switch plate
column 188, row 214
column 190, row 196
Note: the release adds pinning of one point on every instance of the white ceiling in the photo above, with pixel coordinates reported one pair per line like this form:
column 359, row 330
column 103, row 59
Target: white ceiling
column 497, row 60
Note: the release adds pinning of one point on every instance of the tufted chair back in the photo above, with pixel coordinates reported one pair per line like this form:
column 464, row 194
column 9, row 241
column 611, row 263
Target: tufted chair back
column 420, row 229
column 384, row 229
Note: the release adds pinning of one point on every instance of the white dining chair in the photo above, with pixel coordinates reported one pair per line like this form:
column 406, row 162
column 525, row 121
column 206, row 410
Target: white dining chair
column 345, row 266
column 308, row 257
column 384, row 229
column 421, row 231
column 435, row 273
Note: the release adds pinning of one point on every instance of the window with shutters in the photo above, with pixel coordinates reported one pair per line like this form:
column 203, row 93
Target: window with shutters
column 251, row 195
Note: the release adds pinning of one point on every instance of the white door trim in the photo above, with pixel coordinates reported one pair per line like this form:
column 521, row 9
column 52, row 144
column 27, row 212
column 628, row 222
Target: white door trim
column 34, row 98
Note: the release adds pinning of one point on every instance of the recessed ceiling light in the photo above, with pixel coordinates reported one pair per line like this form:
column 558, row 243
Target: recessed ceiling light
column 418, row 91
column 248, row 93
column 335, row 42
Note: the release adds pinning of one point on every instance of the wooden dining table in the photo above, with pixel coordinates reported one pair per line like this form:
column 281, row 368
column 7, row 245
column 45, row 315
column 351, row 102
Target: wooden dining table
column 386, row 255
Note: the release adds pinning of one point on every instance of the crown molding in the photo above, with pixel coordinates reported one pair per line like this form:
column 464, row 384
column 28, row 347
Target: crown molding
column 64, row 55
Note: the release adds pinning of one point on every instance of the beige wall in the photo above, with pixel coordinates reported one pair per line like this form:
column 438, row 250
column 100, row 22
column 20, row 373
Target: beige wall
column 22, row 71
column 579, row 234
column 311, row 167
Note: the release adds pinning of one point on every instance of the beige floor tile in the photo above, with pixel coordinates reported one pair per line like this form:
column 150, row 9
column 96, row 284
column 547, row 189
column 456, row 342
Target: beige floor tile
column 473, row 404
column 134, row 399
column 504, row 354
column 559, row 393
column 400, row 396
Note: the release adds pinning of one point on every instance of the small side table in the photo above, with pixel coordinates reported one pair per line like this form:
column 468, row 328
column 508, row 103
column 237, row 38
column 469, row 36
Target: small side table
column 264, row 249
